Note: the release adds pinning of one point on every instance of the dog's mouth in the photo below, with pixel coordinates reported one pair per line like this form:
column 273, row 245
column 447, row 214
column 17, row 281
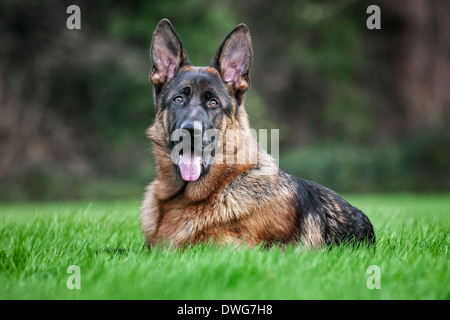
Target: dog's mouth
column 193, row 160
column 190, row 166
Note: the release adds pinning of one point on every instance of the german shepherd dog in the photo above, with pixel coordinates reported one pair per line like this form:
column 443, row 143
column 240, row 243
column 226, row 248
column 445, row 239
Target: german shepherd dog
column 197, row 198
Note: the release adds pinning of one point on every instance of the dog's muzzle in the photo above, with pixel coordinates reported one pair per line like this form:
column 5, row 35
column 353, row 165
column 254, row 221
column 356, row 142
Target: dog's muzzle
column 190, row 160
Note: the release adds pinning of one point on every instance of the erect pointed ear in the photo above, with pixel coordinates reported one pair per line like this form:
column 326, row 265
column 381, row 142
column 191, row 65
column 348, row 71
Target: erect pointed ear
column 234, row 57
column 167, row 54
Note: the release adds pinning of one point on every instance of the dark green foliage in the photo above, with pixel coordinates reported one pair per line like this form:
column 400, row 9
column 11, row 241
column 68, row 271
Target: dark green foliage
column 418, row 163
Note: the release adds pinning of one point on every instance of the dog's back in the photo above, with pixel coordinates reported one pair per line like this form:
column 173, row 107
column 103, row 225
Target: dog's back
column 326, row 218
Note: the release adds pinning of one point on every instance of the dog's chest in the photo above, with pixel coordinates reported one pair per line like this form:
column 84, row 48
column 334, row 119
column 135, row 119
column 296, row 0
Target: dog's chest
column 246, row 209
column 213, row 220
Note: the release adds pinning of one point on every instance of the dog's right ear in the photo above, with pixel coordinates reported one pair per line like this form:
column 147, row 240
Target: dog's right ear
column 167, row 54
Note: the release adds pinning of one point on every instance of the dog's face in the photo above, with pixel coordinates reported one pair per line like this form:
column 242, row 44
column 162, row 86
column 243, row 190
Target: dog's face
column 191, row 101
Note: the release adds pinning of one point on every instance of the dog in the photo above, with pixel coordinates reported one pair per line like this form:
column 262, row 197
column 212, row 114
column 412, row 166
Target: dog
column 197, row 196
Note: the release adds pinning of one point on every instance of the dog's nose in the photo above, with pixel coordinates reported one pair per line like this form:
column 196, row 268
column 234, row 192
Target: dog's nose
column 193, row 127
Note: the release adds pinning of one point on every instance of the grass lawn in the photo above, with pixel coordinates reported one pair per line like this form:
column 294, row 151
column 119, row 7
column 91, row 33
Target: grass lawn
column 39, row 241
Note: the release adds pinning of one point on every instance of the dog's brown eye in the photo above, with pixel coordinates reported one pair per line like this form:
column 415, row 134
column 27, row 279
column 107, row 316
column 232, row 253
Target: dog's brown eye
column 178, row 99
column 213, row 103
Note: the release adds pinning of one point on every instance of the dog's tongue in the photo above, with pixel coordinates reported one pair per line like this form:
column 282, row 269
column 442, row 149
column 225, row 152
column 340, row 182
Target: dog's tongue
column 190, row 166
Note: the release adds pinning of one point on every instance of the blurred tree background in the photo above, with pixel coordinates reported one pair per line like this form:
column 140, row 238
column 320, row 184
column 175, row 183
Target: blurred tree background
column 358, row 110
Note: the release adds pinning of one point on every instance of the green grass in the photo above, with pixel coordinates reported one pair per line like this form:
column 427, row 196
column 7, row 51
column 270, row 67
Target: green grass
column 38, row 242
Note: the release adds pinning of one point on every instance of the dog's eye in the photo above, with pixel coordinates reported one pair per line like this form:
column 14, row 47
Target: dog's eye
column 213, row 103
column 178, row 99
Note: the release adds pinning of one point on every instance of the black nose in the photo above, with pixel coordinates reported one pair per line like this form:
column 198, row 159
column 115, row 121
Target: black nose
column 193, row 127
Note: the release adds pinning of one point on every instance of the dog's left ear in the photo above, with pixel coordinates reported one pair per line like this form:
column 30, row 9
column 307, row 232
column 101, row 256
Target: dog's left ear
column 233, row 59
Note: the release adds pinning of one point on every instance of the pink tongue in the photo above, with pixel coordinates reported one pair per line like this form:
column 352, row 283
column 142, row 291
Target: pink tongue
column 190, row 166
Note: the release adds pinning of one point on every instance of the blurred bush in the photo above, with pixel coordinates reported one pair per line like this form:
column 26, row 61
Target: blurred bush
column 419, row 163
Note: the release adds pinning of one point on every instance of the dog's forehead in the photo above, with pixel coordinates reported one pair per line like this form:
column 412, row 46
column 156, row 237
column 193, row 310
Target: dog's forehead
column 200, row 77
column 209, row 70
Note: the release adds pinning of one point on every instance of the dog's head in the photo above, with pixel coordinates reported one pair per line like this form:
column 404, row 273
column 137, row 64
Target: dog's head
column 191, row 101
